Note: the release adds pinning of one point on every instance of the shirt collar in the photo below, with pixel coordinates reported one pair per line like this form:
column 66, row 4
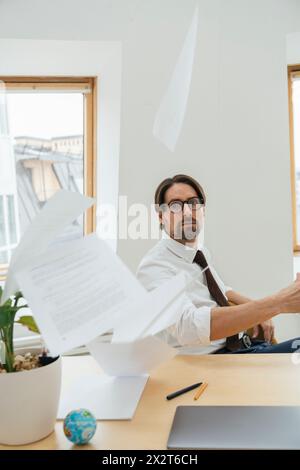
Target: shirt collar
column 182, row 251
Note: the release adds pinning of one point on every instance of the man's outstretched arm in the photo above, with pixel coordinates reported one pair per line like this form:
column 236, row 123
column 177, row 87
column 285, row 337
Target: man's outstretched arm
column 237, row 298
column 267, row 325
column 226, row 321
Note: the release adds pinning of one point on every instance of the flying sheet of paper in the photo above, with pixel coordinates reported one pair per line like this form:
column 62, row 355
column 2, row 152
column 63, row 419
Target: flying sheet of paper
column 77, row 291
column 169, row 316
column 116, row 394
column 130, row 359
column 170, row 115
column 58, row 212
column 108, row 398
column 161, row 309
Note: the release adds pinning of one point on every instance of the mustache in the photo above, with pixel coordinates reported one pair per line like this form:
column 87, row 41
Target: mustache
column 193, row 223
column 188, row 221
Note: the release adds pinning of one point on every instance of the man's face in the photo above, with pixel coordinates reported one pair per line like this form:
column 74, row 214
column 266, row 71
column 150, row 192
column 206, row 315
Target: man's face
column 182, row 222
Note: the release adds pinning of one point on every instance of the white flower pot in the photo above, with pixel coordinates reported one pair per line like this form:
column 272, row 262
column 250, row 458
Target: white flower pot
column 28, row 403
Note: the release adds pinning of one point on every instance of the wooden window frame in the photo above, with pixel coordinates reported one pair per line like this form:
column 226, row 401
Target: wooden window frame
column 292, row 71
column 90, row 130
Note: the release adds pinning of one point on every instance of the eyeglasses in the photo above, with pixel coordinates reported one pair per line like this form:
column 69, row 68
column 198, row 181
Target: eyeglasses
column 194, row 203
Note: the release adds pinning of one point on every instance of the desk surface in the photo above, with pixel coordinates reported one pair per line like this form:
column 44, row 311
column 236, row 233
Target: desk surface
column 264, row 379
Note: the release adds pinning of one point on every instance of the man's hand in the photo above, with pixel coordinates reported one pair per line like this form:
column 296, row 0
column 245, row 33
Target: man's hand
column 268, row 329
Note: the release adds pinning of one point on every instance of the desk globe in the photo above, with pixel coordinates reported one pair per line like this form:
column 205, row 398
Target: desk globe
column 80, row 426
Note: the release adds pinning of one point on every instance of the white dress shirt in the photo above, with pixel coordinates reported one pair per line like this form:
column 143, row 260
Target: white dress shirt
column 192, row 332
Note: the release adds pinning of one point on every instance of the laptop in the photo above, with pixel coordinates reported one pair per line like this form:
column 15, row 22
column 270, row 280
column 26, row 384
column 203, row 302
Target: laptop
column 235, row 427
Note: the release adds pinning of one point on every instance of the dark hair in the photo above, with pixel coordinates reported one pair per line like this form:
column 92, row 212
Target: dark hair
column 167, row 183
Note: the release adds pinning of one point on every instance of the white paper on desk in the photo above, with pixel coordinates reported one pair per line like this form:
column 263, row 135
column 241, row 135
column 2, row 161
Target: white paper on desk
column 63, row 208
column 169, row 118
column 130, row 359
column 160, row 309
column 108, row 398
column 77, row 291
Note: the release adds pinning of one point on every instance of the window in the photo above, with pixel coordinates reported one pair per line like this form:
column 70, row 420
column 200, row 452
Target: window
column 8, row 227
column 294, row 113
column 47, row 143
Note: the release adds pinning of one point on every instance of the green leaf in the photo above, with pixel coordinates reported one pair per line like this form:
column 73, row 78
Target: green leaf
column 7, row 315
column 7, row 303
column 28, row 321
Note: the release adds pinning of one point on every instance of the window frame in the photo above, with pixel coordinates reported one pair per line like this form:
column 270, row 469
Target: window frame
column 293, row 70
column 88, row 85
column 10, row 245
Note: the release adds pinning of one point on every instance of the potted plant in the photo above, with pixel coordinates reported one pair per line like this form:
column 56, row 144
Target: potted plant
column 29, row 382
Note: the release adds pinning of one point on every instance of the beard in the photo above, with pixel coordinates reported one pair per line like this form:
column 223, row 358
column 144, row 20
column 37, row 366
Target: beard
column 187, row 230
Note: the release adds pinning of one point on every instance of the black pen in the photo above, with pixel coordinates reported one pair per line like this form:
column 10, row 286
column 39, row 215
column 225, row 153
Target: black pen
column 183, row 390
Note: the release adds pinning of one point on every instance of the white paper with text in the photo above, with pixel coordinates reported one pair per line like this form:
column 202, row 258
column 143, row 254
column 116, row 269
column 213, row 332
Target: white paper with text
column 62, row 209
column 77, row 291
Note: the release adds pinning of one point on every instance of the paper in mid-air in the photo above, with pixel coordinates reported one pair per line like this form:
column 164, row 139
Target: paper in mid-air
column 156, row 311
column 116, row 393
column 58, row 212
column 130, row 359
column 170, row 115
column 80, row 289
column 76, row 291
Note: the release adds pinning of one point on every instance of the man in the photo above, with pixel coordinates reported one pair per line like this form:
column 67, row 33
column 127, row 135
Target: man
column 207, row 320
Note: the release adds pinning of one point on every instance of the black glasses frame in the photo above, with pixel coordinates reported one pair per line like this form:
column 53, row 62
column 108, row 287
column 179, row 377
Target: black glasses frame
column 177, row 206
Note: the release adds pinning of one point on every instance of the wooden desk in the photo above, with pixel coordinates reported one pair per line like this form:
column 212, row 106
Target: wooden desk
column 262, row 379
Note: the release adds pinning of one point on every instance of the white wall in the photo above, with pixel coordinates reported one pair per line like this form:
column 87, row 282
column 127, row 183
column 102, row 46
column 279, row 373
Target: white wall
column 235, row 135
column 293, row 48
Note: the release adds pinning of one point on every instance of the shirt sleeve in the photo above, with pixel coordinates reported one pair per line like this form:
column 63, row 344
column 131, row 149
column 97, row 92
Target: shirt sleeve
column 193, row 325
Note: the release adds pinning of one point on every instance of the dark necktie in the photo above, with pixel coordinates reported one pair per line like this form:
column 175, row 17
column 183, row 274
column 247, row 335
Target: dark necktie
column 232, row 342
